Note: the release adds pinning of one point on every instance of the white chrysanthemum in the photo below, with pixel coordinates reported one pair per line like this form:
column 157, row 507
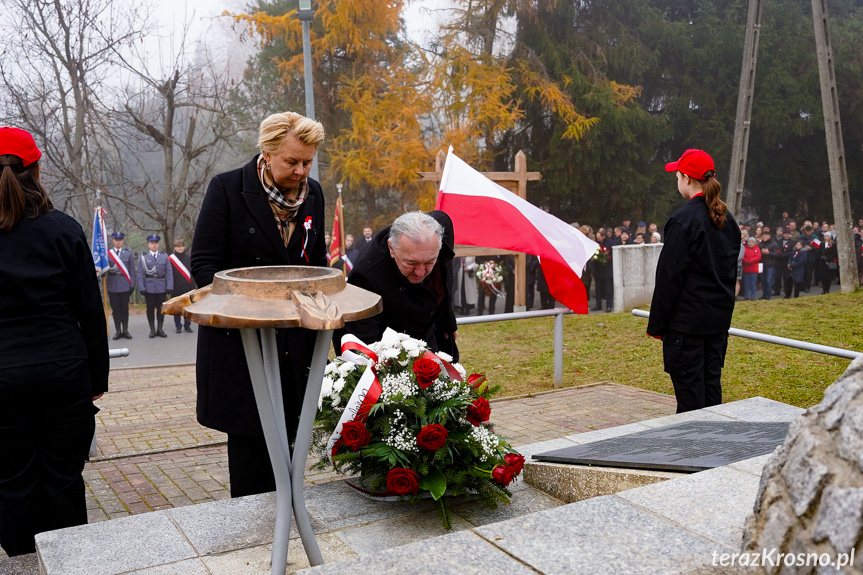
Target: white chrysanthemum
column 410, row 345
column 339, row 385
column 460, row 369
column 404, row 336
column 390, row 353
column 331, row 367
column 345, row 368
column 336, row 399
column 326, row 386
column 390, row 339
column 444, row 356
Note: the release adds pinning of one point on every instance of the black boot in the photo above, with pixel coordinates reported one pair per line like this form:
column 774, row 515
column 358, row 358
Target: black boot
column 152, row 331
column 160, row 332
column 117, row 335
column 126, row 333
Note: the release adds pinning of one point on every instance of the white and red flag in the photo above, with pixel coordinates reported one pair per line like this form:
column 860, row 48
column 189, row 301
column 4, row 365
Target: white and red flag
column 485, row 214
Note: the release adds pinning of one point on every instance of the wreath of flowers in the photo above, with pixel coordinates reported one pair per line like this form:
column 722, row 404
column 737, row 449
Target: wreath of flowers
column 489, row 276
column 427, row 434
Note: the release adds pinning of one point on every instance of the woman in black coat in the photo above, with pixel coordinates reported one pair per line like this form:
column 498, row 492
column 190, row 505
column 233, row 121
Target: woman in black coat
column 265, row 213
column 53, row 353
column 693, row 298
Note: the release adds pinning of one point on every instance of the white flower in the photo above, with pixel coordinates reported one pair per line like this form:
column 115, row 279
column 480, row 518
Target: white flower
column 460, row 369
column 414, row 353
column 336, row 399
column 390, row 338
column 345, row 368
column 339, row 385
column 410, row 345
column 404, row 336
column 397, row 384
column 326, row 386
column 444, row 356
column 331, row 367
column 390, row 353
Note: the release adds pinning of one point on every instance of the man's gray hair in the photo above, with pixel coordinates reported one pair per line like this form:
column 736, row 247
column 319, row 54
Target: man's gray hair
column 417, row 226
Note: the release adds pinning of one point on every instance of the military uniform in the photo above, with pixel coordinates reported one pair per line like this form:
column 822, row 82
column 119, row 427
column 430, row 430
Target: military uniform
column 155, row 280
column 121, row 282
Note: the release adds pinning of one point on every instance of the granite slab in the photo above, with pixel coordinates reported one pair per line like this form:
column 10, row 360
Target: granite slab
column 756, row 409
column 712, row 503
column 464, row 553
column 256, row 560
column 604, row 535
column 338, row 506
column 109, row 547
column 187, row 567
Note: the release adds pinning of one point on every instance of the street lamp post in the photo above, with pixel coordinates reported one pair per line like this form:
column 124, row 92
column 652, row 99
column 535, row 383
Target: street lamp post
column 305, row 14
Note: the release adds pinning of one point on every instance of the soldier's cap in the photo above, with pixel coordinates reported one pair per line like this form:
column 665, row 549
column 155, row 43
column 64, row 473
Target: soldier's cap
column 153, row 238
column 118, row 236
column 18, row 142
column 694, row 163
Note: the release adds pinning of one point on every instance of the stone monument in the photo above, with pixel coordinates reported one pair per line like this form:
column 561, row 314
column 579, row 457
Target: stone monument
column 809, row 506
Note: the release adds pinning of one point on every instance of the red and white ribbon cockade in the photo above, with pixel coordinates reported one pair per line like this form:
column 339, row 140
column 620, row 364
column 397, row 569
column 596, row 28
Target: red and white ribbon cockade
column 307, row 226
column 368, row 388
column 122, row 267
column 180, row 267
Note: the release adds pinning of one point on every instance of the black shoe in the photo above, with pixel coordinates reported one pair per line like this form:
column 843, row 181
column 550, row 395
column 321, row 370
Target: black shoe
column 161, row 333
column 179, row 330
column 152, row 333
column 608, row 309
column 596, row 308
column 117, row 336
column 127, row 335
column 189, row 329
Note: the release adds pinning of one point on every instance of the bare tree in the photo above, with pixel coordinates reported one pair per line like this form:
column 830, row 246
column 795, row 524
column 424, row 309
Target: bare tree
column 56, row 63
column 178, row 120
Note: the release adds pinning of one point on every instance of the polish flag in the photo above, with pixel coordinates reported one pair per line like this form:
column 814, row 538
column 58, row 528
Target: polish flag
column 487, row 215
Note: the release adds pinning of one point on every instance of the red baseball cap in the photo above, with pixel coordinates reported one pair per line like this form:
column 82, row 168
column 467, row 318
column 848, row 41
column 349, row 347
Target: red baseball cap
column 18, row 142
column 694, row 163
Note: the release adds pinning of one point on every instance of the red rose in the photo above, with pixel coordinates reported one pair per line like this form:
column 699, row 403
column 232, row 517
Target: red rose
column 478, row 411
column 355, row 434
column 402, row 481
column 426, row 370
column 475, row 380
column 502, row 475
column 515, row 461
column 432, row 436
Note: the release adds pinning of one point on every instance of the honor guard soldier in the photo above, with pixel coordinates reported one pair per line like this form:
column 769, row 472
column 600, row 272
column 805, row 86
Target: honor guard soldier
column 121, row 283
column 155, row 280
column 183, row 281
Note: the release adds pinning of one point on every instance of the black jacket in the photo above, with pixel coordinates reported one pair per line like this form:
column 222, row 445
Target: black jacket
column 181, row 284
column 236, row 229
column 696, row 273
column 413, row 309
column 50, row 303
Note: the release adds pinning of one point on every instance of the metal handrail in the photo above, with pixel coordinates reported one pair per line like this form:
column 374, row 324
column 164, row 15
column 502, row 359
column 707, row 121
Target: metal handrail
column 119, row 352
column 805, row 345
column 558, row 314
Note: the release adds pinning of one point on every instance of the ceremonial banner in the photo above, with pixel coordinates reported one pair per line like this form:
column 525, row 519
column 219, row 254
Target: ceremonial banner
column 335, row 254
column 487, row 215
column 99, row 243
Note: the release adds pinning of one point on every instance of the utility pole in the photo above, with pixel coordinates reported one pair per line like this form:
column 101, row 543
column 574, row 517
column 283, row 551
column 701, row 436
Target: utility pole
column 740, row 144
column 835, row 148
column 306, row 14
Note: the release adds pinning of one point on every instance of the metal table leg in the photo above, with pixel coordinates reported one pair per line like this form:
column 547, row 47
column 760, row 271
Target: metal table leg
column 266, row 382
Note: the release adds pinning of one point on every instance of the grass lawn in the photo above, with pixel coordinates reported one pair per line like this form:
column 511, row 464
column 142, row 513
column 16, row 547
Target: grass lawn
column 518, row 355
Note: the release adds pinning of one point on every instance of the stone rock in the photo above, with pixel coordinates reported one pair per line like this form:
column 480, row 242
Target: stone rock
column 810, row 500
column 840, row 517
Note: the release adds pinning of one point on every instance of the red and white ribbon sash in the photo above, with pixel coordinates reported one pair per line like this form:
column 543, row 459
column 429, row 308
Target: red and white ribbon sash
column 180, row 267
column 366, row 393
column 120, row 265
column 451, row 371
column 307, row 226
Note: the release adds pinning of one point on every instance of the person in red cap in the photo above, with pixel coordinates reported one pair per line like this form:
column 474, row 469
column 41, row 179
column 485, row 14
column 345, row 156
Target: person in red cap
column 693, row 297
column 53, row 353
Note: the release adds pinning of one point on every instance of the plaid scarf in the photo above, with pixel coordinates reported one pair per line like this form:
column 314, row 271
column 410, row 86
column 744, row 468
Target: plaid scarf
column 284, row 209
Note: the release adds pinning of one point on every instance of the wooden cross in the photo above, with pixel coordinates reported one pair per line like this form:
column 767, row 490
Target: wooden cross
column 516, row 182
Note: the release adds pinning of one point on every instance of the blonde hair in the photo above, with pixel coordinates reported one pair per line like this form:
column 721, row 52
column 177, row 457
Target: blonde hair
column 276, row 127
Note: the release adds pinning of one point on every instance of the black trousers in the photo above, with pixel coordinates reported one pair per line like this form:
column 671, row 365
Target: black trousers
column 604, row 290
column 119, row 301
column 249, row 465
column 154, row 307
column 46, row 425
column 695, row 363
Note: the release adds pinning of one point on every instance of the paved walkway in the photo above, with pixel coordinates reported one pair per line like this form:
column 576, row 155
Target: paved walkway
column 152, row 454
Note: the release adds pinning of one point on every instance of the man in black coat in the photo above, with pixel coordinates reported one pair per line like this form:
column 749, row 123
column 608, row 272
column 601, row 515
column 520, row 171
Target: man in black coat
column 407, row 265
column 265, row 213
